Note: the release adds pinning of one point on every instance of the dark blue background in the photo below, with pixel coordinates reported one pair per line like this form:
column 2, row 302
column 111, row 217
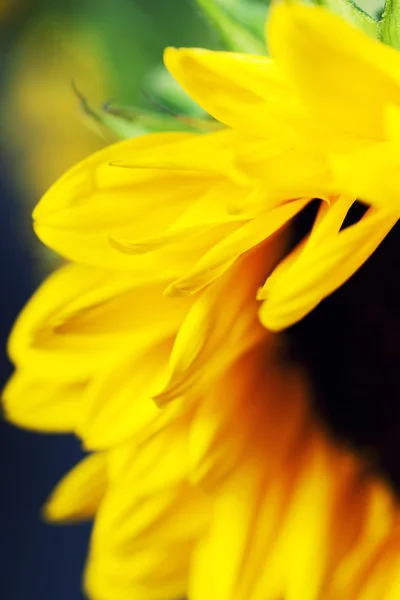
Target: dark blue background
column 38, row 561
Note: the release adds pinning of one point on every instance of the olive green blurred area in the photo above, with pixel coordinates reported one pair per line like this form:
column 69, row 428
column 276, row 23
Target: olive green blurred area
column 108, row 50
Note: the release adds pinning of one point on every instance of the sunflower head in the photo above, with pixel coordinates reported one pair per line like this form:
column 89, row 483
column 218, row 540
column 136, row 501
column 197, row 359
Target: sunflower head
column 217, row 341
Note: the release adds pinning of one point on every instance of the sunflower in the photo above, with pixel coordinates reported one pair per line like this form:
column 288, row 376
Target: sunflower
column 213, row 475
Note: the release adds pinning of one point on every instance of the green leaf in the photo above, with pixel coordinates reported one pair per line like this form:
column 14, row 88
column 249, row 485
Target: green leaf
column 390, row 24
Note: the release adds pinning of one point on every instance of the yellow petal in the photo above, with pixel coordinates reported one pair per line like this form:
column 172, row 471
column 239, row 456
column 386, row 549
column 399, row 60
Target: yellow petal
column 40, row 337
column 75, row 184
column 301, row 550
column 149, row 575
column 345, row 77
column 223, row 255
column 210, row 339
column 209, row 213
column 393, row 577
column 371, row 515
column 79, row 494
column 43, row 406
column 164, row 264
column 158, row 463
column 187, row 154
column 310, row 528
column 174, row 516
column 219, row 432
column 392, row 123
column 83, row 317
column 298, row 285
column 143, row 536
column 371, row 174
column 243, row 91
column 383, row 581
column 118, row 405
column 250, row 420
column 96, row 201
column 171, row 237
column 222, row 552
column 270, row 162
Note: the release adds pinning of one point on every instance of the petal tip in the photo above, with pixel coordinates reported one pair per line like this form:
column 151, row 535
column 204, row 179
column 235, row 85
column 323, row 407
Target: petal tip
column 51, row 512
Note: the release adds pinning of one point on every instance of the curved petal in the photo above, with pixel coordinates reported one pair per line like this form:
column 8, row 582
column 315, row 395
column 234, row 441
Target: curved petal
column 243, row 91
column 161, row 176
column 82, row 317
column 158, row 463
column 249, row 419
column 296, row 534
column 373, row 515
column 162, row 265
column 76, row 184
column 345, row 77
column 34, row 404
column 210, row 339
column 118, row 405
column 316, row 270
column 80, row 492
column 142, row 540
column 371, row 174
column 284, row 172
column 217, row 260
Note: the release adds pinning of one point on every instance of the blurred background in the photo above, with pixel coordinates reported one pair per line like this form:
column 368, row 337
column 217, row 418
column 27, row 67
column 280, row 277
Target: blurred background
column 108, row 50
column 54, row 54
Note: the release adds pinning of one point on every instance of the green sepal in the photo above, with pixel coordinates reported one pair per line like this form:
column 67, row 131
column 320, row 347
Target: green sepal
column 132, row 121
column 126, row 122
column 390, row 24
column 237, row 35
